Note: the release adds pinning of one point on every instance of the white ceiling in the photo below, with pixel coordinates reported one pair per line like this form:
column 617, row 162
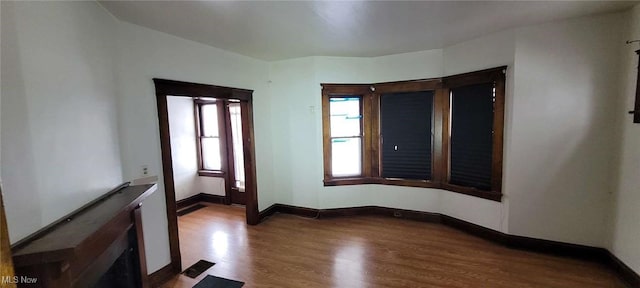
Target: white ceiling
column 271, row 30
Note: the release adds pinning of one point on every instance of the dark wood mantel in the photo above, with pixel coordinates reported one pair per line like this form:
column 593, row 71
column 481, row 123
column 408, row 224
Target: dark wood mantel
column 78, row 249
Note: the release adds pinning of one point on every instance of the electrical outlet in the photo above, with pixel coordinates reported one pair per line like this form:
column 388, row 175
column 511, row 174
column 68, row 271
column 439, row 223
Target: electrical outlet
column 144, row 170
column 397, row 214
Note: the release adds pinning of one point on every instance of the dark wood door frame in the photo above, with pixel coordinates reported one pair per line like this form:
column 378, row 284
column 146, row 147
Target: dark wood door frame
column 165, row 88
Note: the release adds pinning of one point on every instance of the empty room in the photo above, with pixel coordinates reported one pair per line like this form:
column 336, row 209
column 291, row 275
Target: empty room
column 320, row 144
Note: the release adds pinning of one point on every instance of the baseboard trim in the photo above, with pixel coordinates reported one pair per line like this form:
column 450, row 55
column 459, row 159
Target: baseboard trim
column 202, row 197
column 266, row 213
column 216, row 199
column 300, row 211
column 624, row 272
column 341, row 212
column 556, row 248
column 186, row 202
column 156, row 279
column 550, row 247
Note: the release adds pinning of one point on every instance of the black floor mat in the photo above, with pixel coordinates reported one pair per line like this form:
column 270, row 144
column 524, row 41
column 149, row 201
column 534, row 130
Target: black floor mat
column 217, row 282
column 198, row 268
column 189, row 209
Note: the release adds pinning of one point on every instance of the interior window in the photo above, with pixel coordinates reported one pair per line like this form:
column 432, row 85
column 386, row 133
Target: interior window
column 442, row 133
column 210, row 137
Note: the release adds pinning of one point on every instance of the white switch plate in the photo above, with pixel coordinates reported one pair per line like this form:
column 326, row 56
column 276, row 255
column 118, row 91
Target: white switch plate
column 144, row 170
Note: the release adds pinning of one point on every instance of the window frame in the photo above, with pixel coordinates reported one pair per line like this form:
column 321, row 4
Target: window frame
column 231, row 152
column 346, row 91
column 370, row 121
column 498, row 77
column 222, row 137
column 401, row 87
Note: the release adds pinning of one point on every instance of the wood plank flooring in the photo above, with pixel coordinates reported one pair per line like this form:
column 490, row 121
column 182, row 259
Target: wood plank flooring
column 365, row 251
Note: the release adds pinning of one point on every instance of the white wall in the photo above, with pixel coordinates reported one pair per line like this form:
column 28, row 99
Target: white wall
column 143, row 54
column 212, row 185
column 561, row 139
column 2, row 74
column 625, row 240
column 294, row 110
column 182, row 128
column 59, row 132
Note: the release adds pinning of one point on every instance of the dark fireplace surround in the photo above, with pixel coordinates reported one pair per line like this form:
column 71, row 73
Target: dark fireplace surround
column 99, row 245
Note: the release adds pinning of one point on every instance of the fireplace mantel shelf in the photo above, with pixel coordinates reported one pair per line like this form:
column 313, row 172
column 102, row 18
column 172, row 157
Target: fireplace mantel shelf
column 68, row 250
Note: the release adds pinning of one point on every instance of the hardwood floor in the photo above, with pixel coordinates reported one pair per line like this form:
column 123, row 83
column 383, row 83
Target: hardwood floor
column 365, row 251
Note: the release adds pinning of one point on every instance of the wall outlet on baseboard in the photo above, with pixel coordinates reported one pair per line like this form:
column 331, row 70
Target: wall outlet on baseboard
column 397, row 214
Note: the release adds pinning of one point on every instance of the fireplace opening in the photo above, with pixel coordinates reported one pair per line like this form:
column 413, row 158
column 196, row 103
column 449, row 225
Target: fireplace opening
column 125, row 271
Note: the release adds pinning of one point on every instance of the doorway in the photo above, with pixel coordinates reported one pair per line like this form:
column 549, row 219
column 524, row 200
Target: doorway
column 235, row 156
column 219, row 147
column 237, row 103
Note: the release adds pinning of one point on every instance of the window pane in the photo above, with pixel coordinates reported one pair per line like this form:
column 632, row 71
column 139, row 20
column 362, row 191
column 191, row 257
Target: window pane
column 346, row 157
column 472, row 136
column 209, row 120
column 345, row 116
column 405, row 125
column 236, row 135
column 211, row 154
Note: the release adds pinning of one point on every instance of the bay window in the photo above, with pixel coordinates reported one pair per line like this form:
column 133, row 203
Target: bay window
column 439, row 133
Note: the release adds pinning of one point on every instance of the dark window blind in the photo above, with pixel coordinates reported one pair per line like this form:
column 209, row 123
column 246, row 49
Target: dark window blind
column 472, row 136
column 405, row 128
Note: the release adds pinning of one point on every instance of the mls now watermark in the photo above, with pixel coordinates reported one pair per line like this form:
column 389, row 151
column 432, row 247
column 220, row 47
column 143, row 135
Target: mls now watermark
column 18, row 280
